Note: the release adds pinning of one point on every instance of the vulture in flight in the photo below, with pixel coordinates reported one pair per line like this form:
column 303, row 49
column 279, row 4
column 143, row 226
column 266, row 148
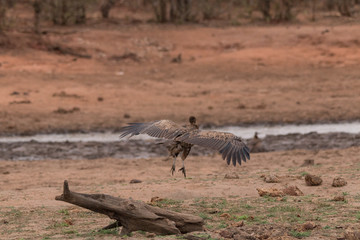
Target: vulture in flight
column 232, row 148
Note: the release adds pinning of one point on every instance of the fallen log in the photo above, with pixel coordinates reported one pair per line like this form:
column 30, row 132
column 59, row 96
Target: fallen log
column 133, row 215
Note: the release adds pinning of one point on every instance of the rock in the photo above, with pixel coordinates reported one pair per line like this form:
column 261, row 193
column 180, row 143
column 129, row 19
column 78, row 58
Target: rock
column 244, row 235
column 225, row 215
column 150, row 235
column 232, row 175
column 313, row 180
column 272, row 192
column 307, row 226
column 69, row 222
column 292, row 191
column 135, row 181
column 66, row 95
column 156, row 199
column 271, row 178
column 228, row 233
column 339, row 198
column 21, row 102
column 66, row 111
column 308, row 162
column 213, row 211
column 193, row 237
column 352, row 235
column 177, row 59
column 339, row 182
column 127, row 115
column 238, row 224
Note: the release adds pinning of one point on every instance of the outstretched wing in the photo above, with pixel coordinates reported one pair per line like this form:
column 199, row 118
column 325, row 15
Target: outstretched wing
column 230, row 146
column 160, row 129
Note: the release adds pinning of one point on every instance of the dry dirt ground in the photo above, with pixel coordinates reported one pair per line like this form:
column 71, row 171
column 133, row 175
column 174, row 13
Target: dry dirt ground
column 271, row 74
column 231, row 75
column 29, row 211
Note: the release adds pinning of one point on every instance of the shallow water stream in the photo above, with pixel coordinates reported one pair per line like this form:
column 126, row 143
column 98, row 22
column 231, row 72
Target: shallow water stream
column 244, row 132
column 101, row 145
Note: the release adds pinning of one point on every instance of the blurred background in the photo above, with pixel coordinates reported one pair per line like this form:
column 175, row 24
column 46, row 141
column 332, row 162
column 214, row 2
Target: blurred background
column 282, row 74
column 80, row 66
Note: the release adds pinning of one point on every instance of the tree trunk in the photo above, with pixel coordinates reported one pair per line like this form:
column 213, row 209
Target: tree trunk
column 3, row 9
column 106, row 7
column 64, row 12
column 288, row 5
column 160, row 10
column 264, row 6
column 134, row 215
column 80, row 12
column 37, row 6
column 313, row 10
column 344, row 7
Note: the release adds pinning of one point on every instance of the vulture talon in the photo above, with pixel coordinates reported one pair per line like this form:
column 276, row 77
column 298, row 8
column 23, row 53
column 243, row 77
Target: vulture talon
column 183, row 171
column 172, row 170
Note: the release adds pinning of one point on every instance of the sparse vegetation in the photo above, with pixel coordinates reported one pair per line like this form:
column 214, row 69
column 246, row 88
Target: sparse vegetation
column 254, row 64
column 300, row 234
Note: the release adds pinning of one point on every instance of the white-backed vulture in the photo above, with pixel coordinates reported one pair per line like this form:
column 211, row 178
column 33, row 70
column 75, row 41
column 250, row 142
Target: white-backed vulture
column 232, row 148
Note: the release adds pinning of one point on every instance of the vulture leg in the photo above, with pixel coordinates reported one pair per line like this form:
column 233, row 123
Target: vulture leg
column 183, row 169
column 172, row 170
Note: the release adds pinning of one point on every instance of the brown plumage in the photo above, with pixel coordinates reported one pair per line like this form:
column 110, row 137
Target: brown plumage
column 232, row 148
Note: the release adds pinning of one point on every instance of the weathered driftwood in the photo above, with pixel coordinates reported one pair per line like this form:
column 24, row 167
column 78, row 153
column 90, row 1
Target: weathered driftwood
column 134, row 215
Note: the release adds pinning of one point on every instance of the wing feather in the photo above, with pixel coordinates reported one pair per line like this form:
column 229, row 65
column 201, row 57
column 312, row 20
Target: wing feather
column 232, row 148
column 160, row 129
column 239, row 157
column 242, row 155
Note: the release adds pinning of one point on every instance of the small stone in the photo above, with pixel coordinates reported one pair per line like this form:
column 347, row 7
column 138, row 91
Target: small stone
column 339, row 182
column 20, row 102
column 313, row 180
column 307, row 226
column 156, row 199
column 69, row 222
column 100, row 99
column 238, row 224
column 213, row 211
column 66, row 111
column 244, row 235
column 135, row 181
column 339, row 198
column 232, row 175
column 352, row 235
column 177, row 59
column 225, row 215
column 228, row 233
column 271, row 178
column 308, row 162
column 6, row 172
column 272, row 192
column 127, row 115
column 292, row 191
column 150, row 235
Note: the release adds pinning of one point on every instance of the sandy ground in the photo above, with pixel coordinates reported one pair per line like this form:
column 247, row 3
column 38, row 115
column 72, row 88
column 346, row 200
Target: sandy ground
column 28, row 208
column 239, row 75
column 231, row 75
